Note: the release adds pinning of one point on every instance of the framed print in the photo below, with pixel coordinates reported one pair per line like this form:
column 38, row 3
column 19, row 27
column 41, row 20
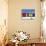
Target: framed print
column 28, row 13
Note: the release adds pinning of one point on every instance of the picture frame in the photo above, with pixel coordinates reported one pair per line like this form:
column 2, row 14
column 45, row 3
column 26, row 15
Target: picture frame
column 28, row 14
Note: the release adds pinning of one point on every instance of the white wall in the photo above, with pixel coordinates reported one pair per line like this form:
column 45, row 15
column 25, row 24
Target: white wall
column 16, row 23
